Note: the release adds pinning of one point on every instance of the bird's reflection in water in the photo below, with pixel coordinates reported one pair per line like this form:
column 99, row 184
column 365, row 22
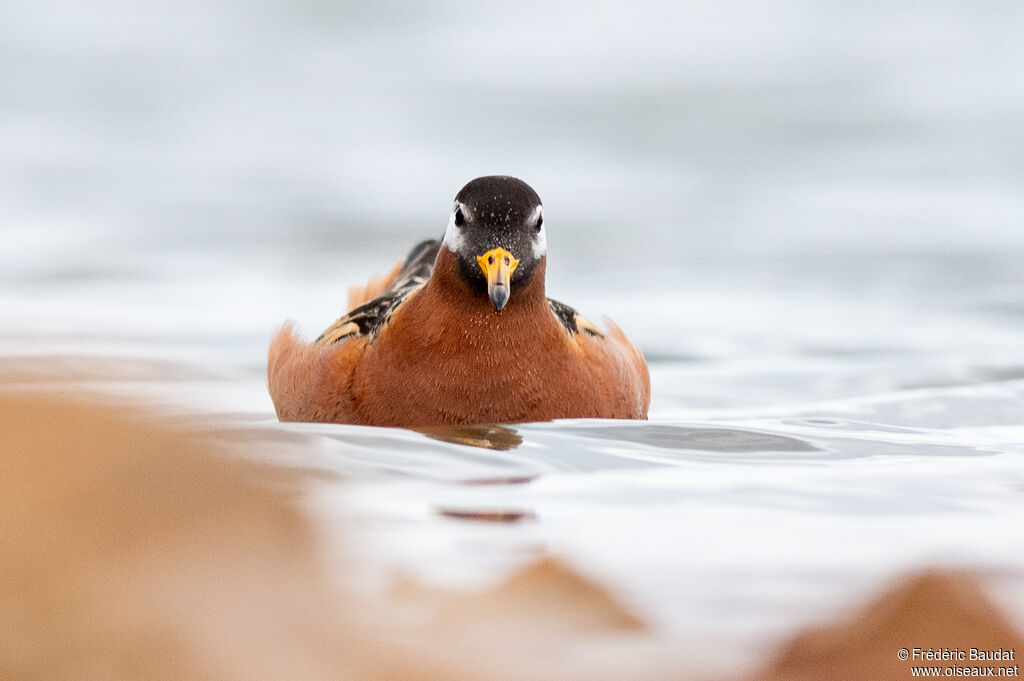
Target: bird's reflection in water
column 488, row 515
column 496, row 437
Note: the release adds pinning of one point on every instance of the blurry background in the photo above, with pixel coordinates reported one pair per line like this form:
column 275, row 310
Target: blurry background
column 808, row 215
column 204, row 170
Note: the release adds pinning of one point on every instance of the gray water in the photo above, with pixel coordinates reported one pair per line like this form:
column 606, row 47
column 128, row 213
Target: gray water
column 808, row 216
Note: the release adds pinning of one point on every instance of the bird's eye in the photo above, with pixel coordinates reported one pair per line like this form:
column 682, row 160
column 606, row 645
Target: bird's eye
column 540, row 222
column 460, row 218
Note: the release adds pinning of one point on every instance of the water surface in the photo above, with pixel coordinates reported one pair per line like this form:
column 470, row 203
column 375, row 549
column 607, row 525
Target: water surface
column 808, row 218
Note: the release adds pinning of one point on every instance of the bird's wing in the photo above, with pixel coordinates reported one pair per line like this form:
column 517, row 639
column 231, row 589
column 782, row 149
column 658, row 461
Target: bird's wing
column 572, row 321
column 372, row 305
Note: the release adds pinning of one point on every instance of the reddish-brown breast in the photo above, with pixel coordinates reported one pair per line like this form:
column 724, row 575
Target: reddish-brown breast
column 448, row 357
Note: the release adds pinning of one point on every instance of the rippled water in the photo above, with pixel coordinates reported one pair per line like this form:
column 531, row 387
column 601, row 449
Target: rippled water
column 809, row 219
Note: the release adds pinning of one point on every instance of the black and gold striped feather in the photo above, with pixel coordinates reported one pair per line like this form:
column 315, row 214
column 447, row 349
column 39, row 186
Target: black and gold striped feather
column 368, row 318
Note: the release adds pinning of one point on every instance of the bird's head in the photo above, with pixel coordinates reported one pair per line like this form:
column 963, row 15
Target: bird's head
column 496, row 233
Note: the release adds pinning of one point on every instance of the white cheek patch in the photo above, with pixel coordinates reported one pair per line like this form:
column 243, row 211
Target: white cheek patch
column 540, row 239
column 453, row 238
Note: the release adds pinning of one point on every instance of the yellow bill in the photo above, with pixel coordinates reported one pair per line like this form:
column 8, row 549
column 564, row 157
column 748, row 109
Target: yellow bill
column 498, row 265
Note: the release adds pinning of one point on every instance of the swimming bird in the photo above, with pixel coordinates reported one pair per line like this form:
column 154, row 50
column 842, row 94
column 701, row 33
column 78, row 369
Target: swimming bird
column 462, row 332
